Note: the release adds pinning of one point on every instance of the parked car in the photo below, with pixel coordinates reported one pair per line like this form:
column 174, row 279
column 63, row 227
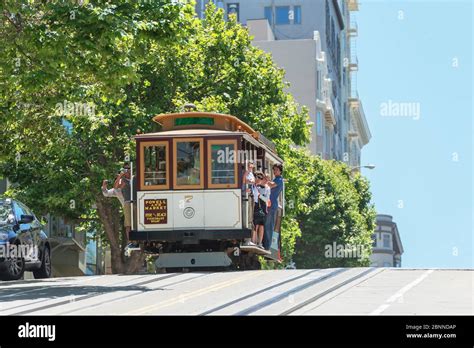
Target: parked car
column 23, row 244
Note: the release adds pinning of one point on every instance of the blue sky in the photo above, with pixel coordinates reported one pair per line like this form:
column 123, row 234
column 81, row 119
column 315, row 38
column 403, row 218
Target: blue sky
column 423, row 178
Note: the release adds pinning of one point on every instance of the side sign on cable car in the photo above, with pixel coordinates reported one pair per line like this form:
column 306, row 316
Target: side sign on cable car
column 156, row 211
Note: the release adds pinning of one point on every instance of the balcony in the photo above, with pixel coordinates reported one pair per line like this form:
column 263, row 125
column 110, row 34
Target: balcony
column 361, row 128
column 353, row 30
column 326, row 103
column 352, row 134
column 353, row 5
column 64, row 234
column 354, row 64
column 328, row 110
column 329, row 113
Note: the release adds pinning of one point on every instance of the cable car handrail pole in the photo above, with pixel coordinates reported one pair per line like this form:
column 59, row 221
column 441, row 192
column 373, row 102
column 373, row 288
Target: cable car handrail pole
column 132, row 201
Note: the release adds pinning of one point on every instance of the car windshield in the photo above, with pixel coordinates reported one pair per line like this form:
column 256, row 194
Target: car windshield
column 5, row 212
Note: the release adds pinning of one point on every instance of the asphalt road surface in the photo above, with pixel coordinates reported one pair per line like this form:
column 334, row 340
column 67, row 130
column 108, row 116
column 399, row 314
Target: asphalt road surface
column 366, row 291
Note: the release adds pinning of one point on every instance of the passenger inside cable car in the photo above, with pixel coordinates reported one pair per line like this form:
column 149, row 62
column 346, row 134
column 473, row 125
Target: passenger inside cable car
column 188, row 166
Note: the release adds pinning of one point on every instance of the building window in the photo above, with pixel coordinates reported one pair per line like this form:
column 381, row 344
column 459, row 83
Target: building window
column 188, row 171
column 282, row 15
column 328, row 142
column 297, row 15
column 318, row 83
column 319, row 123
column 386, row 241
column 328, row 27
column 338, row 55
column 269, row 15
column 233, row 9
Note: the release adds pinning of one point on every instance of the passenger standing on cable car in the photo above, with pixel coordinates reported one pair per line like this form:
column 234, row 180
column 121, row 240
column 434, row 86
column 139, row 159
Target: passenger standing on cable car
column 276, row 188
column 122, row 191
column 248, row 180
column 248, row 177
column 115, row 191
column 261, row 196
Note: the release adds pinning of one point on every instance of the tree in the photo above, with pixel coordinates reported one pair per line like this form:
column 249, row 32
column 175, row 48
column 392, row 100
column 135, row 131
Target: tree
column 337, row 219
column 104, row 70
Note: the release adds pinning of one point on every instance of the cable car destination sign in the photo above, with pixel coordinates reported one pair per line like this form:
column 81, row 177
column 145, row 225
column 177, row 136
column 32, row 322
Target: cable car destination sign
column 155, row 211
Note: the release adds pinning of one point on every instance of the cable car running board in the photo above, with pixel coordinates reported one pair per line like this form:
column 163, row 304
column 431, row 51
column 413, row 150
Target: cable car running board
column 199, row 259
column 254, row 249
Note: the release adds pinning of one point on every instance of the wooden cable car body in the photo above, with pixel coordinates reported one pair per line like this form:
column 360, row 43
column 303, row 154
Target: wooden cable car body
column 189, row 198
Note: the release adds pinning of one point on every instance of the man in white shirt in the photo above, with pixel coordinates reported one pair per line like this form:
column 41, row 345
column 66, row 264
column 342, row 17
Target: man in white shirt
column 248, row 177
column 115, row 191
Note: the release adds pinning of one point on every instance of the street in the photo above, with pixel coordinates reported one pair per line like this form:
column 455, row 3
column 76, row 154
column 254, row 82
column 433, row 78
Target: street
column 364, row 291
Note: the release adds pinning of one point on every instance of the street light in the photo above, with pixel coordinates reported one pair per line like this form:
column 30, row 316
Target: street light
column 368, row 166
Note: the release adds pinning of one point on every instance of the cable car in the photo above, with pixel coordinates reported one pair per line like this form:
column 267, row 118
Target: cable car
column 190, row 205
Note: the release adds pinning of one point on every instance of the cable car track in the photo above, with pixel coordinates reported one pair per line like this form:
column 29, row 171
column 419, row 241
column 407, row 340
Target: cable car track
column 129, row 296
column 243, row 276
column 285, row 294
column 85, row 297
column 330, row 290
column 215, row 309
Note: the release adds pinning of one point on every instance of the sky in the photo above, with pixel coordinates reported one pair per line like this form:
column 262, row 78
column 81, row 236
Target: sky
column 418, row 55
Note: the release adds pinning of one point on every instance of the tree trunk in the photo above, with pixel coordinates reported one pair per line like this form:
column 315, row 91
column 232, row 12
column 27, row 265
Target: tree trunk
column 111, row 219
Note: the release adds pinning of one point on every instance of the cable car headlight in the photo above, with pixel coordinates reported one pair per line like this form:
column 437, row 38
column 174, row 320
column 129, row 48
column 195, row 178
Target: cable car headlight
column 3, row 236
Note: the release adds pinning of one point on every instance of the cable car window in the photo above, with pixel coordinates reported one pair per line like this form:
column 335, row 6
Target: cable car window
column 268, row 168
column 154, row 165
column 188, row 163
column 222, row 159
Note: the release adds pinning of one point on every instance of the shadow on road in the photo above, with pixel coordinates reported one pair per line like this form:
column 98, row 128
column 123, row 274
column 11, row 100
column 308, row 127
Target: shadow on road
column 61, row 291
column 28, row 281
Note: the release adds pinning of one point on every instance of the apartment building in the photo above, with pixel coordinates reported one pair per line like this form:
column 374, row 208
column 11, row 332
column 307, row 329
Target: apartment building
column 314, row 41
column 387, row 248
column 307, row 72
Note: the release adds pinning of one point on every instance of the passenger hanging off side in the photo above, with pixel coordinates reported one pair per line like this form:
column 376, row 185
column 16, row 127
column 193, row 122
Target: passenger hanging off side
column 261, row 195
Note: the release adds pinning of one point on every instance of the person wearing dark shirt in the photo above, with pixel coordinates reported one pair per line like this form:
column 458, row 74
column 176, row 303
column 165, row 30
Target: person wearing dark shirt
column 276, row 188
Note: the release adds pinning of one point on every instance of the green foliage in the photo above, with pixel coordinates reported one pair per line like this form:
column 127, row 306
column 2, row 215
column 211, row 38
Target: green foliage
column 57, row 53
column 337, row 210
column 126, row 61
